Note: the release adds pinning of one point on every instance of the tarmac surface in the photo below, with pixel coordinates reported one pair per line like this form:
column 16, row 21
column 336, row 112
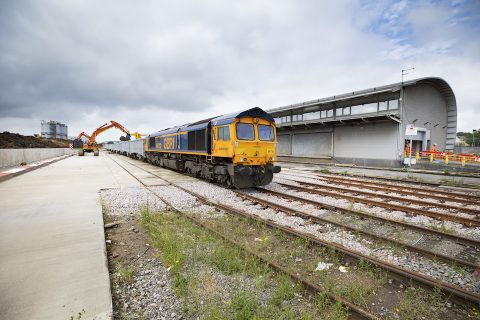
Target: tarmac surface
column 53, row 260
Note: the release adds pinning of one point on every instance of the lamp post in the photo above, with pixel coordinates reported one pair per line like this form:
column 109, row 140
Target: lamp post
column 473, row 143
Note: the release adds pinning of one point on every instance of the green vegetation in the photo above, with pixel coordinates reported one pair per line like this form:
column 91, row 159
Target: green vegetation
column 216, row 280
column 445, row 229
column 416, row 303
column 190, row 253
column 78, row 316
column 125, row 274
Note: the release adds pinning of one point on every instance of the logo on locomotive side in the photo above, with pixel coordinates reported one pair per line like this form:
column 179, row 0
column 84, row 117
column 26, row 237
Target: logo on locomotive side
column 168, row 143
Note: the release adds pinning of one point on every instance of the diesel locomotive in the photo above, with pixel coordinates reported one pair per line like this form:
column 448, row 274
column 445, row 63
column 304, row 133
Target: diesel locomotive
column 237, row 149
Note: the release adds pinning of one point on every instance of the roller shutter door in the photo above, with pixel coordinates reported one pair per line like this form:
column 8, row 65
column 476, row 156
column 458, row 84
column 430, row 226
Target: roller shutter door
column 312, row 144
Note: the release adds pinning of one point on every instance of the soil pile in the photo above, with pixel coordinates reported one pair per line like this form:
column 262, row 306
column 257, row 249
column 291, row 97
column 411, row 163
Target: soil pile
column 17, row 141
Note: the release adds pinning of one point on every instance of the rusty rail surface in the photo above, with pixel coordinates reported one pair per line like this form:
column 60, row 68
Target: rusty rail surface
column 412, row 191
column 457, row 238
column 413, row 184
column 390, row 197
column 415, row 211
column 459, row 295
column 359, row 311
column 317, row 219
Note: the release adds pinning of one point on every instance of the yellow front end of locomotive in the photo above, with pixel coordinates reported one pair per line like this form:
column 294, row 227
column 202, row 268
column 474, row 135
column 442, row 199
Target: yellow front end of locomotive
column 248, row 141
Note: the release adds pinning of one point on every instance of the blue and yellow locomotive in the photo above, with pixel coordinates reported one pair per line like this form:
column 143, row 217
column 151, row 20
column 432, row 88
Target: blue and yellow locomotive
column 236, row 149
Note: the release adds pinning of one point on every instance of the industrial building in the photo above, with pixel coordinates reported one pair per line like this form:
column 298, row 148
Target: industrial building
column 54, row 129
column 367, row 127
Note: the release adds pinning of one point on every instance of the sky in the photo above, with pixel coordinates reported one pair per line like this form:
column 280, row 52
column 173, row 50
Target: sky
column 154, row 64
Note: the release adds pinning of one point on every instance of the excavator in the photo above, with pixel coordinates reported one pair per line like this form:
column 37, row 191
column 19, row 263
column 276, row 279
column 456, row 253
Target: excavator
column 91, row 145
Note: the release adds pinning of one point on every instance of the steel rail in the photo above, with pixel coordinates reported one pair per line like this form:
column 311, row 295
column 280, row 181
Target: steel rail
column 391, row 197
column 418, row 192
column 317, row 219
column 308, row 284
column 432, row 214
column 459, row 239
column 382, row 180
column 460, row 295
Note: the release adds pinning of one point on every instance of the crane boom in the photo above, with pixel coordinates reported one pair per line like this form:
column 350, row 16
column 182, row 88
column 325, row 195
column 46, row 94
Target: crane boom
column 92, row 143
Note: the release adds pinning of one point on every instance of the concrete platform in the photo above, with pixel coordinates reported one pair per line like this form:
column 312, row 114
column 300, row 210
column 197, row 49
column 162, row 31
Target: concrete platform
column 52, row 246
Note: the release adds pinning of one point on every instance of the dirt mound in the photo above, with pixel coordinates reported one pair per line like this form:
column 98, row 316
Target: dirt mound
column 17, row 141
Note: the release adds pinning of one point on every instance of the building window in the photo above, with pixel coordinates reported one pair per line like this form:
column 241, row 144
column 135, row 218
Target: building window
column 364, row 108
column 392, row 104
column 382, row 106
column 311, row 115
column 297, row 117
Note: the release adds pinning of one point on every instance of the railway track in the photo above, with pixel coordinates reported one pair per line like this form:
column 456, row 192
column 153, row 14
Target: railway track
column 456, row 294
column 356, row 310
column 389, row 197
column 313, row 188
column 401, row 189
column 318, row 219
column 376, row 179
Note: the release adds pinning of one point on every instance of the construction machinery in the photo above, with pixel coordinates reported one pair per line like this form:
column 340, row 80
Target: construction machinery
column 91, row 144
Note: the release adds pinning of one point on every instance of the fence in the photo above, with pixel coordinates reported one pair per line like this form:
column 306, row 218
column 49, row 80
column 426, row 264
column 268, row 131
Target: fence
column 461, row 149
column 447, row 157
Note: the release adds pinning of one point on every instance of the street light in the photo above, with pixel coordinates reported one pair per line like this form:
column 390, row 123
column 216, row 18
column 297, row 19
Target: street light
column 473, row 143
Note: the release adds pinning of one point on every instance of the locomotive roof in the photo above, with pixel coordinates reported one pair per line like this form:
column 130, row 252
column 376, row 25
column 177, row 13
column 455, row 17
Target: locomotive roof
column 254, row 112
column 217, row 121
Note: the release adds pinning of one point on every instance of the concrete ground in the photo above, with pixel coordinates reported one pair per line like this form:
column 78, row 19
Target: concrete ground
column 52, row 245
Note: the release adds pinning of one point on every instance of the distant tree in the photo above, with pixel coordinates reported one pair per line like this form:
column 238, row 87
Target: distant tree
column 469, row 138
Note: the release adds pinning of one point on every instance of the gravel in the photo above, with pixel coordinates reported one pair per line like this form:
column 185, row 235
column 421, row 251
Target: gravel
column 352, row 188
column 459, row 229
column 150, row 292
column 327, row 232
column 127, row 201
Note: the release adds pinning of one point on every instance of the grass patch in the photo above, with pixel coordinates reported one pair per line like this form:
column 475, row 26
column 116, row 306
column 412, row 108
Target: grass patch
column 228, row 259
column 243, row 305
column 125, row 274
column 191, row 253
column 416, row 303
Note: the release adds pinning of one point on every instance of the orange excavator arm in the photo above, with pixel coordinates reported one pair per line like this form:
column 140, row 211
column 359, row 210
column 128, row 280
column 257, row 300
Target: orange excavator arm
column 105, row 127
column 83, row 134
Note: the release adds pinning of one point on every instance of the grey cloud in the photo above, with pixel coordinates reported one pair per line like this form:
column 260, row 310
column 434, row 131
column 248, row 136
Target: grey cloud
column 97, row 61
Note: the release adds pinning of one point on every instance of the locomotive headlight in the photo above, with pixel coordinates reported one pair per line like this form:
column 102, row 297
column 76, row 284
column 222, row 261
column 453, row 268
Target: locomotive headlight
column 272, row 158
column 243, row 159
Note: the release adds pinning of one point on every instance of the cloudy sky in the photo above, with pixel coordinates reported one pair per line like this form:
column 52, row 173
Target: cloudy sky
column 152, row 64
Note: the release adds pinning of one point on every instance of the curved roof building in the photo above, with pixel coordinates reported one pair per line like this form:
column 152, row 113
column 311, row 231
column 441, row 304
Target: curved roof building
column 367, row 127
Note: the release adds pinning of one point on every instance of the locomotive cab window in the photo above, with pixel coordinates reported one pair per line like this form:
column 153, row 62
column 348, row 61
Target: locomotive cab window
column 265, row 133
column 245, row 131
column 224, row 133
